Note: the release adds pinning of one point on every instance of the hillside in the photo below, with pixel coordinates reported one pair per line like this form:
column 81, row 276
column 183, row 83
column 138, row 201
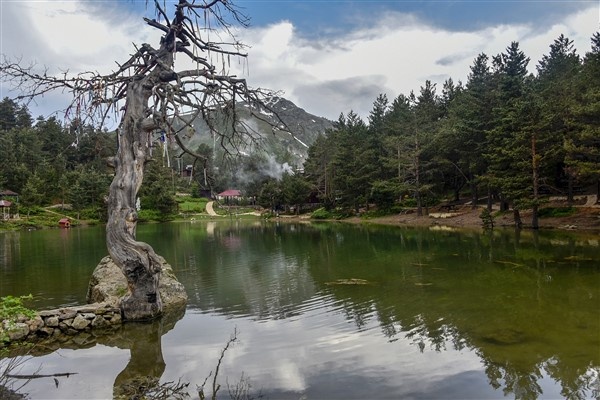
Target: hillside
column 290, row 145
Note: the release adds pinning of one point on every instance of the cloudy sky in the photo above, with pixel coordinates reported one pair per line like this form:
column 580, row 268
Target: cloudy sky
column 327, row 56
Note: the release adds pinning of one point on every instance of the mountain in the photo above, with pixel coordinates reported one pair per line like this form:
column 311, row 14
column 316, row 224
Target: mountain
column 289, row 143
column 304, row 127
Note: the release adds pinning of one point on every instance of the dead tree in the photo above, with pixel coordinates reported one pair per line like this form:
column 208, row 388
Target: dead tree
column 149, row 93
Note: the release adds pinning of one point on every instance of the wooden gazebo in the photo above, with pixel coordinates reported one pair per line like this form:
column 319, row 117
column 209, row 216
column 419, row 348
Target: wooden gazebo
column 5, row 206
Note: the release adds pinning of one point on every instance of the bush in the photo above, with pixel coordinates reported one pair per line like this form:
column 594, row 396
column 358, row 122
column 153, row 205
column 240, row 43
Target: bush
column 31, row 211
column 556, row 212
column 409, row 202
column 338, row 213
column 487, row 219
column 11, row 308
column 94, row 213
column 321, row 213
column 147, row 215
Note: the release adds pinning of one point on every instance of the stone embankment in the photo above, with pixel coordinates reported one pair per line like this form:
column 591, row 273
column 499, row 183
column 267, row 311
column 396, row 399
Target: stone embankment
column 62, row 321
column 107, row 286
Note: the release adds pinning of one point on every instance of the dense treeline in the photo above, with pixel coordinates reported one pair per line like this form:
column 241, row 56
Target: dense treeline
column 505, row 134
column 46, row 163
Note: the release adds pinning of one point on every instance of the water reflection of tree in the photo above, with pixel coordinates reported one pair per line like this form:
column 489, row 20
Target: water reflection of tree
column 491, row 293
column 146, row 359
column 141, row 375
column 499, row 309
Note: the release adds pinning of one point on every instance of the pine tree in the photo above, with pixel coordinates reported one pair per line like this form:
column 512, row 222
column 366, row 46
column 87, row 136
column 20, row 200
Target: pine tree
column 507, row 152
column 319, row 168
column 556, row 94
column 399, row 128
column 463, row 136
column 583, row 147
column 377, row 115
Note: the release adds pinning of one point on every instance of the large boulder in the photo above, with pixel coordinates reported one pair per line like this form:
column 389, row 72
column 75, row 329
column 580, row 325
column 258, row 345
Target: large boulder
column 108, row 284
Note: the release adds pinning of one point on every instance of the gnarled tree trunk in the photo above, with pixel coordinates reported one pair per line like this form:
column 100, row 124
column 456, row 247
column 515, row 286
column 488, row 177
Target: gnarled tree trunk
column 156, row 96
column 137, row 260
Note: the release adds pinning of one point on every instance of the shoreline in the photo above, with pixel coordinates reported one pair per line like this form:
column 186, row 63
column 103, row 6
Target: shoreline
column 584, row 219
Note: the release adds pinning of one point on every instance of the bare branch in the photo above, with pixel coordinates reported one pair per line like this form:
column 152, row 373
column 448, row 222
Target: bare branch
column 149, row 93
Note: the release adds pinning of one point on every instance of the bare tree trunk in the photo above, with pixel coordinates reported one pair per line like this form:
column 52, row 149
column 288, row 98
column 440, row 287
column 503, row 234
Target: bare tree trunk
column 535, row 224
column 570, row 199
column 474, row 195
column 503, row 204
column 137, row 260
column 517, row 218
column 536, row 183
column 418, row 178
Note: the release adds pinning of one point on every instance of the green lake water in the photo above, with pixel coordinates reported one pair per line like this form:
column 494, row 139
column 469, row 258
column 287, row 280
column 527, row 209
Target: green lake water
column 333, row 311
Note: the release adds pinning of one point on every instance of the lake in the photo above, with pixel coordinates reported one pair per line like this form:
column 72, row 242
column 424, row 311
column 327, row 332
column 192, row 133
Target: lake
column 331, row 311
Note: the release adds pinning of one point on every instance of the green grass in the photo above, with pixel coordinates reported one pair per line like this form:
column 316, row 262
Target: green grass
column 190, row 204
column 148, row 215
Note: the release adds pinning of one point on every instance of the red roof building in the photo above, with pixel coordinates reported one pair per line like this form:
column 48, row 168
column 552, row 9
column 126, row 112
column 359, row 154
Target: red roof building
column 230, row 193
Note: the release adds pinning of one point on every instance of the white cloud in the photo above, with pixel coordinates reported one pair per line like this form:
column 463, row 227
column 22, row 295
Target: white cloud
column 394, row 56
column 325, row 76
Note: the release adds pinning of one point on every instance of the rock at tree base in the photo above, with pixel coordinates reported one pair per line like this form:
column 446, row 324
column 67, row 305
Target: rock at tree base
column 108, row 284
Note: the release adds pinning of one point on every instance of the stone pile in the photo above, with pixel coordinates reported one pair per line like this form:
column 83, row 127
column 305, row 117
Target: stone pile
column 62, row 321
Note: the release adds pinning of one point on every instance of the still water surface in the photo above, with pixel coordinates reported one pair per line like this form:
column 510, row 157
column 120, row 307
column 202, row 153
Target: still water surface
column 441, row 314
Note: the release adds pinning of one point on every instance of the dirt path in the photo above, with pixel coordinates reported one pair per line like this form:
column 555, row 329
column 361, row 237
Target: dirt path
column 592, row 201
column 210, row 210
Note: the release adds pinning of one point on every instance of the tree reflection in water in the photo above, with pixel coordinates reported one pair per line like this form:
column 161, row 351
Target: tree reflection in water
column 513, row 361
column 141, row 376
column 508, row 310
column 521, row 301
column 526, row 306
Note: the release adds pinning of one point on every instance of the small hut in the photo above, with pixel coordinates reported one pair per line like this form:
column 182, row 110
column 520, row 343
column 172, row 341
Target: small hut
column 5, row 206
column 64, row 223
column 230, row 196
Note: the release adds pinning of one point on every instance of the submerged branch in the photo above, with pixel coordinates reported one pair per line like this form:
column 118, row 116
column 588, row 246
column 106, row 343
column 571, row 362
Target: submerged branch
column 37, row 376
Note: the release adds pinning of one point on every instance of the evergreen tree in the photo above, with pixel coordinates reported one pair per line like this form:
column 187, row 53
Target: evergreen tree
column 583, row 147
column 77, row 198
column 157, row 192
column 270, row 195
column 509, row 167
column 556, row 91
column 470, row 118
column 399, row 128
column 319, row 168
column 33, row 192
column 377, row 115
column 427, row 112
column 356, row 162
column 295, row 190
